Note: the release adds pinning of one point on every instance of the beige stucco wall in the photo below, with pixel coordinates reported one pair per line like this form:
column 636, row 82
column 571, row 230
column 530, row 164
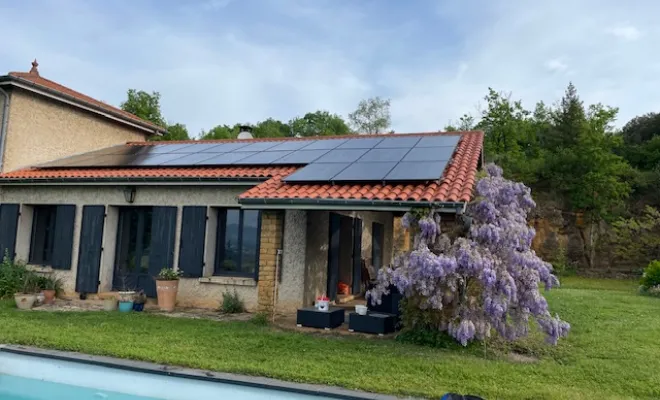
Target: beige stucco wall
column 204, row 292
column 42, row 130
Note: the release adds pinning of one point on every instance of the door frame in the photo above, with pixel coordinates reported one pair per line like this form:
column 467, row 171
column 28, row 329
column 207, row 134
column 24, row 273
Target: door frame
column 116, row 284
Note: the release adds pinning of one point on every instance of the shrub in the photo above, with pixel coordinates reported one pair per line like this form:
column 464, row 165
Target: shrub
column 650, row 282
column 232, row 303
column 14, row 278
column 487, row 281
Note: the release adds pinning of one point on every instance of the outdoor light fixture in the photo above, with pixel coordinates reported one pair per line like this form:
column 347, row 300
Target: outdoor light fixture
column 129, row 194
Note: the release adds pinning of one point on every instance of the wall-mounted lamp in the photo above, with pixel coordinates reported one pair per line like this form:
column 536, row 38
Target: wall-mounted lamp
column 129, row 194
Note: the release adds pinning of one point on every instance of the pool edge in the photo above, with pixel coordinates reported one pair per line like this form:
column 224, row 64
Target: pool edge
column 197, row 374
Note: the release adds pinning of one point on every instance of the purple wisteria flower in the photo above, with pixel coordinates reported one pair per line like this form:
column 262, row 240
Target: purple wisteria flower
column 486, row 281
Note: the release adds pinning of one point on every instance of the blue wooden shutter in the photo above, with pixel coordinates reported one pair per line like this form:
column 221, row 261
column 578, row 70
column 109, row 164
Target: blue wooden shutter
column 65, row 216
column 8, row 226
column 357, row 256
column 89, row 253
column 333, row 256
column 191, row 245
column 163, row 226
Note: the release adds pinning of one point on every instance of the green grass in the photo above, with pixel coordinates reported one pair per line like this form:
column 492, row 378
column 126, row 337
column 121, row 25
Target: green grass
column 613, row 351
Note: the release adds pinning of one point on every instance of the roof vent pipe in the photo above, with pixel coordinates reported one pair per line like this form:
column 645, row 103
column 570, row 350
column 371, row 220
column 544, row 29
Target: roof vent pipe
column 246, row 132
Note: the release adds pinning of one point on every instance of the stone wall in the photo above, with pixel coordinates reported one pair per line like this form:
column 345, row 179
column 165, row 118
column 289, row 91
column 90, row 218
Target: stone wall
column 271, row 243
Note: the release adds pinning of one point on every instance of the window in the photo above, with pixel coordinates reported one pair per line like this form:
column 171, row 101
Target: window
column 43, row 235
column 237, row 246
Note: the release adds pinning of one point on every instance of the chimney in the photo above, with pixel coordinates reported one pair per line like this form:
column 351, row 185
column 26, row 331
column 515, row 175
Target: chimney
column 246, row 132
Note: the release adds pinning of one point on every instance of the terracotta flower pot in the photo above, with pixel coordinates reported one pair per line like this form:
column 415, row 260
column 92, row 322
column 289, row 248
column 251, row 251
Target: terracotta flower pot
column 167, row 291
column 25, row 301
column 49, row 296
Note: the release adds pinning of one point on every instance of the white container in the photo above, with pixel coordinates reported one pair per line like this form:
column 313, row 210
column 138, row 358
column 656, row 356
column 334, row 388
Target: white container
column 361, row 310
column 322, row 305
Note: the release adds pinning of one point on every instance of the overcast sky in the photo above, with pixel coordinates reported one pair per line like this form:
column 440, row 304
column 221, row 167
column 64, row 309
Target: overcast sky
column 227, row 61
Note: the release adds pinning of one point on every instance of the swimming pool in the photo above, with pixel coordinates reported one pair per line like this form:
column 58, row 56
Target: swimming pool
column 32, row 374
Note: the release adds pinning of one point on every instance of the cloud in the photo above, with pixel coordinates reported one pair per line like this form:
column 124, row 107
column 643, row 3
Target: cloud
column 224, row 61
column 626, row 32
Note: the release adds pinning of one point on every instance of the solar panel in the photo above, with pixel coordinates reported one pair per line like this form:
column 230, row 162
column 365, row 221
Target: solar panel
column 341, row 156
column 291, row 145
column 316, row 172
column 204, row 148
column 168, row 148
column 153, row 160
column 439, row 141
column 372, row 171
column 429, row 154
column 263, row 158
column 226, row 158
column 300, row 157
column 384, row 155
column 229, row 147
column 258, row 146
column 190, row 159
column 360, row 143
column 397, row 141
column 324, row 144
column 410, row 171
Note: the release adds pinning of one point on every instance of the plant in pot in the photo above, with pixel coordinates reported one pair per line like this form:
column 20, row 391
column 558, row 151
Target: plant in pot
column 26, row 298
column 126, row 296
column 51, row 287
column 167, row 286
column 139, row 300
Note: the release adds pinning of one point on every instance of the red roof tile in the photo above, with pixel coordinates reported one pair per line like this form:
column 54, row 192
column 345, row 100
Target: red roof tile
column 146, row 173
column 456, row 184
column 34, row 77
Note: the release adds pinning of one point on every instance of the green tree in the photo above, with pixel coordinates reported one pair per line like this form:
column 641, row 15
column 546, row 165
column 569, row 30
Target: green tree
column 174, row 132
column 464, row 123
column 221, row 132
column 271, row 128
column 319, row 123
column 144, row 105
column 372, row 116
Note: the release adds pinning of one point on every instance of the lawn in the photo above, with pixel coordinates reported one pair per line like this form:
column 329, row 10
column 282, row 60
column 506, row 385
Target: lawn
column 613, row 351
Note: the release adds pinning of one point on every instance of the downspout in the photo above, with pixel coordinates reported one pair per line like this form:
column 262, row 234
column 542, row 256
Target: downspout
column 3, row 127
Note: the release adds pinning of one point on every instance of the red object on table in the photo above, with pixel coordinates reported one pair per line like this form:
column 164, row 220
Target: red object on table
column 343, row 288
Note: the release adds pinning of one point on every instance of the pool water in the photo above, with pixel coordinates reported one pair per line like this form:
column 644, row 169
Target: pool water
column 27, row 377
column 17, row 388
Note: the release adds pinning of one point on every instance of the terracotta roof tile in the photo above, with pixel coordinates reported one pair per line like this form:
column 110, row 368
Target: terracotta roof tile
column 456, row 184
column 36, row 79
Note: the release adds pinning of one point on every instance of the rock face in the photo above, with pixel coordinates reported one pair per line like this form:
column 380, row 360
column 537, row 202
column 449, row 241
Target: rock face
column 564, row 239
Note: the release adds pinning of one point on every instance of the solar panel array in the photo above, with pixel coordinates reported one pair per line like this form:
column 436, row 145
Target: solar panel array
column 389, row 158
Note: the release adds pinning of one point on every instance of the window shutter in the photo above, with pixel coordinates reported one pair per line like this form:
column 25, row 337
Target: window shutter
column 333, row 256
column 8, row 226
column 63, row 240
column 357, row 256
column 163, row 226
column 191, row 246
column 89, row 254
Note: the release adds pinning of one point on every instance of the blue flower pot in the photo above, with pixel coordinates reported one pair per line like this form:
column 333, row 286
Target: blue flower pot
column 138, row 307
column 125, row 306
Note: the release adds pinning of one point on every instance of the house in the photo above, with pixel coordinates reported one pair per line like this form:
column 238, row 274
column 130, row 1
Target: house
column 41, row 120
column 280, row 221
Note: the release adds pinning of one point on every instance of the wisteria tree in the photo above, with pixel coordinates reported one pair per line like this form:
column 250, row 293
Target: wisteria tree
column 486, row 281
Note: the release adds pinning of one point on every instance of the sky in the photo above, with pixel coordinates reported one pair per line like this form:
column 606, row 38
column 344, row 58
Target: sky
column 227, row 61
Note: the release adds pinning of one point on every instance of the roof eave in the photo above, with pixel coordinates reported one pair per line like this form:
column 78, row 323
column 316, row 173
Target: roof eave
column 56, row 94
column 225, row 181
column 349, row 204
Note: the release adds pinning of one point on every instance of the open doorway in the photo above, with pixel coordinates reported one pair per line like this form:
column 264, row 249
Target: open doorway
column 345, row 258
column 131, row 270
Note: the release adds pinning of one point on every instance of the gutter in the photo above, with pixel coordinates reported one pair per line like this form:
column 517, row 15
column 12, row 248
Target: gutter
column 242, row 181
column 63, row 97
column 3, row 126
column 351, row 204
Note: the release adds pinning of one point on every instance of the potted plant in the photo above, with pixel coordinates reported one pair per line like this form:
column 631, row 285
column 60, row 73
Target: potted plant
column 109, row 301
column 167, row 286
column 126, row 298
column 26, row 298
column 139, row 300
column 52, row 287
